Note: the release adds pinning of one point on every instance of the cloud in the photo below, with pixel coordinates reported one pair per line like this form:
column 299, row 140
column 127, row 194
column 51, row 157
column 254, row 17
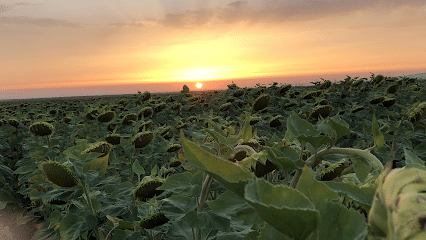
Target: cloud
column 10, row 7
column 279, row 11
column 42, row 22
column 238, row 4
column 147, row 22
column 5, row 8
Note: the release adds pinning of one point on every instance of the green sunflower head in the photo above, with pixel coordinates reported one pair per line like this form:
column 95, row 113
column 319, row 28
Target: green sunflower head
column 173, row 148
column 41, row 129
column 389, row 102
column 159, row 107
column 417, row 112
column 238, row 93
column 153, row 220
column 312, row 94
column 261, row 102
column 327, row 171
column 113, row 138
column 145, row 96
column 59, row 174
column 225, row 107
column 275, row 121
column 357, row 109
column 99, row 147
column 283, row 89
column 321, row 110
column 377, row 100
column 147, row 188
column 106, row 116
column 142, row 139
column 358, row 82
column 146, row 112
column 129, row 118
column 392, row 88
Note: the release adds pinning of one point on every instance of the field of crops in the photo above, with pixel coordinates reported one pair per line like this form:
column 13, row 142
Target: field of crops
column 270, row 162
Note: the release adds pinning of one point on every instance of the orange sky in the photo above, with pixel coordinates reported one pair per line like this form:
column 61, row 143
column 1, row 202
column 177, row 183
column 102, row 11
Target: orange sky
column 49, row 44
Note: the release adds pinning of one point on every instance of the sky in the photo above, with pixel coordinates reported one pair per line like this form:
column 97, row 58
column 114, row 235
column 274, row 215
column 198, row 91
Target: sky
column 71, row 48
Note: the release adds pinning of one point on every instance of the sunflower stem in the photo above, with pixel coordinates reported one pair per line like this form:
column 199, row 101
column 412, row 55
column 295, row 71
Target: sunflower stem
column 48, row 143
column 131, row 163
column 92, row 210
column 203, row 197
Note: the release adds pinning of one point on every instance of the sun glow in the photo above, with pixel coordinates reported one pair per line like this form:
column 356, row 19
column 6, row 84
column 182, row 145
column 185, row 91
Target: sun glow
column 198, row 74
column 198, row 85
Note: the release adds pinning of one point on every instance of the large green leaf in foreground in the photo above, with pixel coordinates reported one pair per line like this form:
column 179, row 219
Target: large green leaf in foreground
column 232, row 176
column 270, row 202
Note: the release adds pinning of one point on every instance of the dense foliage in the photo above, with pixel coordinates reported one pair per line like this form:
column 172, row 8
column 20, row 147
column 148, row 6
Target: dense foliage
column 189, row 166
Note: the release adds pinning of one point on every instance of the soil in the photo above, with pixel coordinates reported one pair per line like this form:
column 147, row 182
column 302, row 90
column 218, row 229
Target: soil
column 9, row 227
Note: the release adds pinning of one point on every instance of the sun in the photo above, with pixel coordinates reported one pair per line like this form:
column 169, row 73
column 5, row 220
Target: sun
column 198, row 85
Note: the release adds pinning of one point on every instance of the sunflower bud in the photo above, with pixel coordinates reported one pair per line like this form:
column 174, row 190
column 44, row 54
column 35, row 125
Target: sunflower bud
column 261, row 102
column 59, row 174
column 41, row 129
column 153, row 220
column 147, row 188
column 142, row 139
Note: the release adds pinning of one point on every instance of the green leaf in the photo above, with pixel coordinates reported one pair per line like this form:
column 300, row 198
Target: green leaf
column 334, row 127
column 362, row 195
column 325, row 127
column 97, row 206
column 182, row 184
column 6, row 174
column 176, row 206
column 283, row 163
column 268, row 232
column 217, row 136
column 180, row 230
column 340, row 127
column 292, row 154
column 99, row 164
column 275, row 141
column 230, row 204
column 121, row 191
column 76, row 153
column 361, row 167
column 27, row 168
column 55, row 219
column 342, row 223
column 337, row 222
column 7, row 195
column 365, row 129
column 297, row 127
column 379, row 139
column 272, row 202
column 72, row 226
column 246, row 131
column 253, row 235
column 208, row 220
column 63, row 194
column 154, row 170
column 229, row 174
column 90, row 176
column 411, row 157
column 316, row 142
column 137, row 168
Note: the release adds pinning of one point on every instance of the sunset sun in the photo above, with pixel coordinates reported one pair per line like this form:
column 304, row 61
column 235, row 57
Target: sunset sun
column 198, row 85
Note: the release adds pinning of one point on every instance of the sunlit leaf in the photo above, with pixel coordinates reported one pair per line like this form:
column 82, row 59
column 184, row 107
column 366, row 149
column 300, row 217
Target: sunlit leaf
column 379, row 139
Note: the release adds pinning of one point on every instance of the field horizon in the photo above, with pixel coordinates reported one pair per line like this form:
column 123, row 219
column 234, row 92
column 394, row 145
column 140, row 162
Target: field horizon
column 107, row 90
